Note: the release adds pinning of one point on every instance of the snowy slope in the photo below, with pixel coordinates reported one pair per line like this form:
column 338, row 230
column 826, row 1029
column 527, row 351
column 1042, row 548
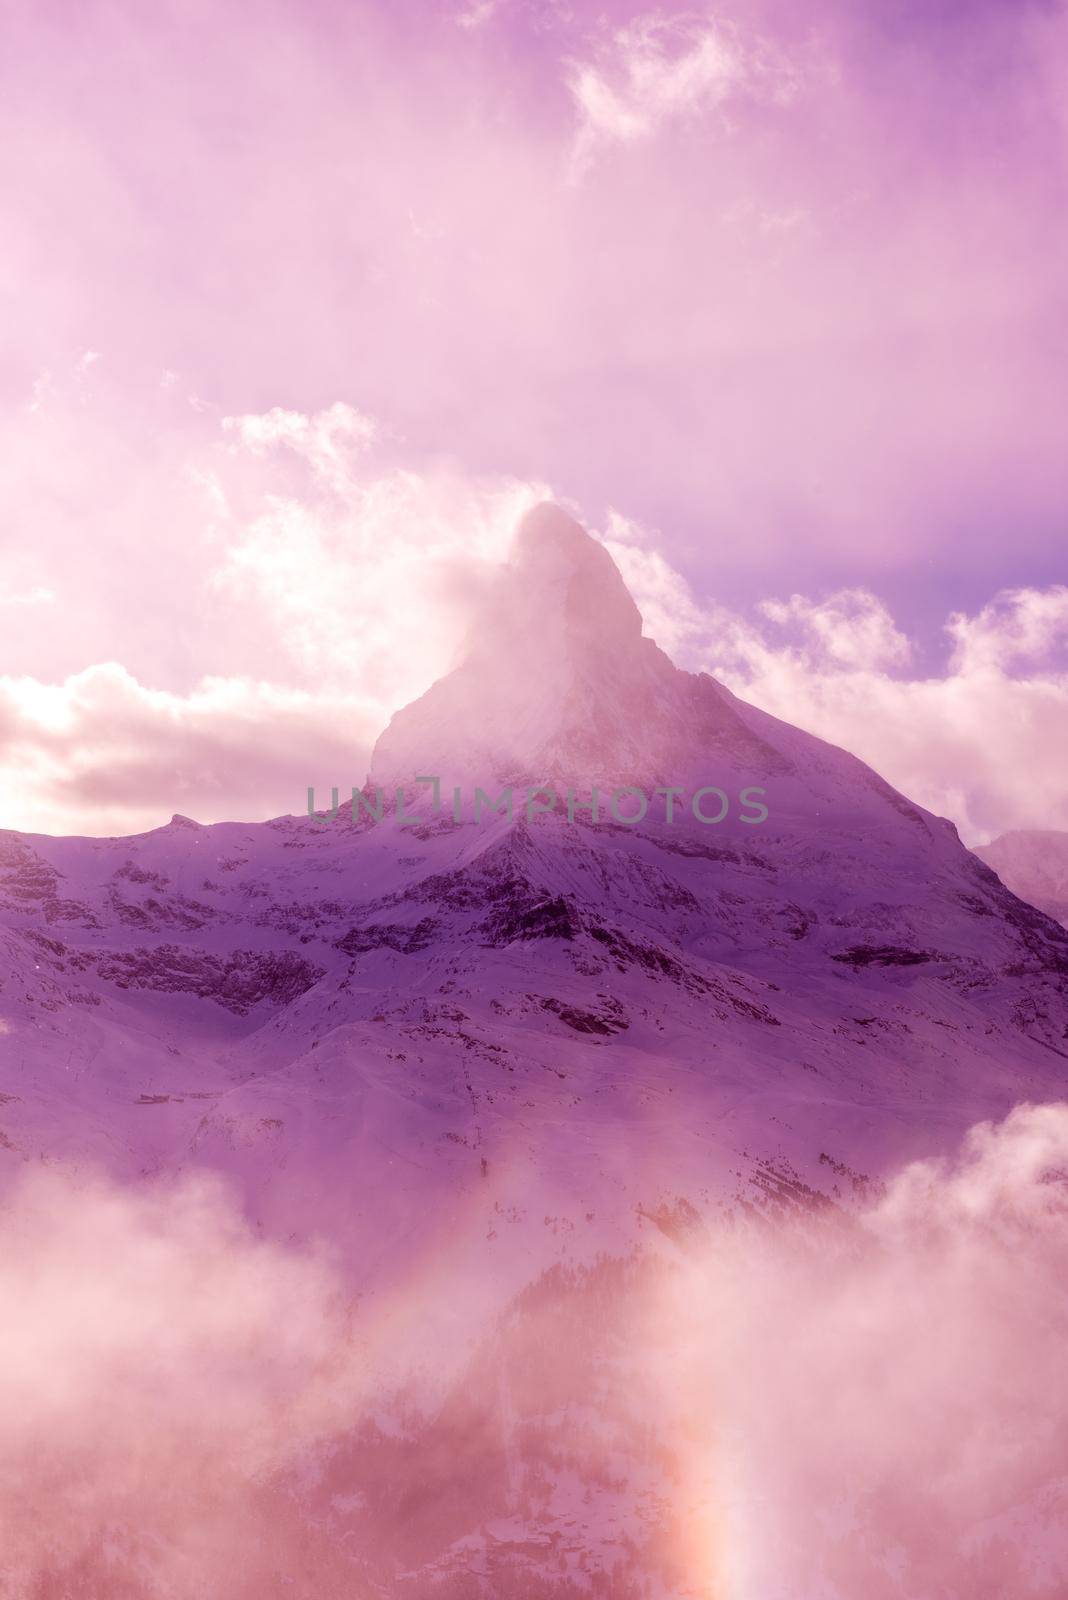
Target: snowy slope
column 624, row 1010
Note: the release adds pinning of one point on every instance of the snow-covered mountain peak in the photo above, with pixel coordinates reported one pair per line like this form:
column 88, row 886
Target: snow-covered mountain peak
column 555, row 681
column 558, row 685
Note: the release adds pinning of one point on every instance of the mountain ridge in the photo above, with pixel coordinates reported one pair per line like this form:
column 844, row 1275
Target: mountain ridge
column 847, row 902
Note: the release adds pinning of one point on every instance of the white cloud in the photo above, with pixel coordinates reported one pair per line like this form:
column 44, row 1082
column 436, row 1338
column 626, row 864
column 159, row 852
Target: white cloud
column 658, row 69
column 328, row 440
column 1019, row 626
column 37, row 596
column 477, row 14
column 850, row 629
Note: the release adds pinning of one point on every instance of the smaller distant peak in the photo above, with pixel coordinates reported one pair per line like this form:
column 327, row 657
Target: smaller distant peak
column 178, row 821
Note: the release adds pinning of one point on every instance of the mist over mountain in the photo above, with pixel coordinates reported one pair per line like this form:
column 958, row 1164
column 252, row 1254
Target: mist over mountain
column 535, row 1057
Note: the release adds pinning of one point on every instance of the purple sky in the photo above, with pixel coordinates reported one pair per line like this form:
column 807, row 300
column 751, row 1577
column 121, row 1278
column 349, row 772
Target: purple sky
column 777, row 293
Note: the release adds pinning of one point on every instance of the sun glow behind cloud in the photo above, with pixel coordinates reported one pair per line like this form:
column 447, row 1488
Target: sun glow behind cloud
column 338, row 581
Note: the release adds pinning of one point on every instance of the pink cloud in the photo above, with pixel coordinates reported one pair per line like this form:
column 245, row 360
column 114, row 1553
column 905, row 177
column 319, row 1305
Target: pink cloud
column 881, row 1401
column 101, row 753
column 654, row 69
column 161, row 1364
column 862, row 1398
